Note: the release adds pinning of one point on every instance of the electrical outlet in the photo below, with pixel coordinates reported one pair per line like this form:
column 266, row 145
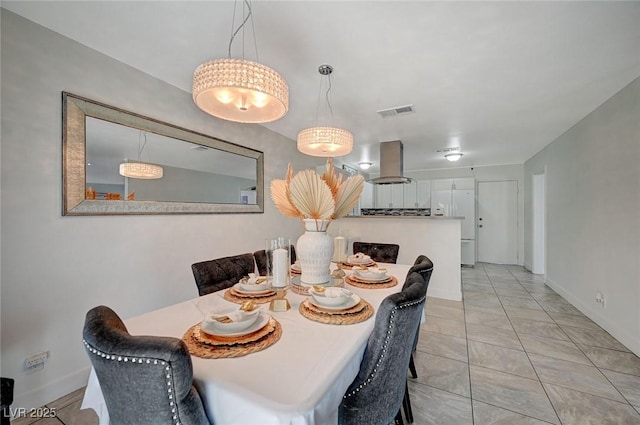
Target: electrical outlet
column 35, row 361
column 600, row 299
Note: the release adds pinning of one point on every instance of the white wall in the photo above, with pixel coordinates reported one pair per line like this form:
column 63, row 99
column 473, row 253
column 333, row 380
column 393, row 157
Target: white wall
column 55, row 268
column 484, row 174
column 593, row 214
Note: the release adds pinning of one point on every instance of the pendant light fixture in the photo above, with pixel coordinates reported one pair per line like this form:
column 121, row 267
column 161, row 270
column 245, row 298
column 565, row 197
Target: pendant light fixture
column 138, row 169
column 240, row 90
column 453, row 156
column 325, row 141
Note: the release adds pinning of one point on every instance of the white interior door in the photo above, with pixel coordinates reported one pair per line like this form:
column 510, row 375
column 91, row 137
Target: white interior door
column 498, row 222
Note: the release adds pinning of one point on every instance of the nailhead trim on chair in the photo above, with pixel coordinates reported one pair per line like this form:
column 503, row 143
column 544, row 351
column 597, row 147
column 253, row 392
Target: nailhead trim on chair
column 167, row 365
column 384, row 346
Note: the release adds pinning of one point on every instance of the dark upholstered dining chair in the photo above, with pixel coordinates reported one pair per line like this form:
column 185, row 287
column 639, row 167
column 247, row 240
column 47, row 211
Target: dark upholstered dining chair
column 382, row 252
column 222, row 273
column 424, row 267
column 375, row 396
column 261, row 259
column 144, row 379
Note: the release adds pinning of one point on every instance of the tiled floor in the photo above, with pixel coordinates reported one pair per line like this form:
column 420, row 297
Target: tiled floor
column 512, row 353
column 515, row 352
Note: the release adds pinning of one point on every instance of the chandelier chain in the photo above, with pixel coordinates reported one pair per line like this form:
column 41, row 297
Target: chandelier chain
column 244, row 21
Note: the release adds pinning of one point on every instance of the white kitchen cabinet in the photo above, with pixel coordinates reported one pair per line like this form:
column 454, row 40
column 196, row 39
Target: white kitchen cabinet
column 410, row 194
column 382, row 195
column 423, row 193
column 397, row 195
column 366, row 200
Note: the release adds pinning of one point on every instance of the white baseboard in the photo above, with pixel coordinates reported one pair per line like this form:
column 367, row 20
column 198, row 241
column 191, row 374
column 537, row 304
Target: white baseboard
column 52, row 390
column 625, row 338
column 527, row 266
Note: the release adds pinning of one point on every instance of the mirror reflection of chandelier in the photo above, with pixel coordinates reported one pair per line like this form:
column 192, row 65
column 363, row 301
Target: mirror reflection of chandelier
column 325, row 140
column 138, row 169
column 240, row 90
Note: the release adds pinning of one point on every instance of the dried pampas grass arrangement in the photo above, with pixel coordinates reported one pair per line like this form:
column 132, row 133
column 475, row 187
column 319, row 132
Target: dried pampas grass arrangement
column 308, row 195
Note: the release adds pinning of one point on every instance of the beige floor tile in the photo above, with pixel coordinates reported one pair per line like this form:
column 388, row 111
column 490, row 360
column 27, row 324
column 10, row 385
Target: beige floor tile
column 72, row 415
column 490, row 309
column 628, row 385
column 444, row 303
column 501, row 337
column 445, row 312
column 488, row 319
column 445, row 326
column 485, row 414
column 507, row 284
column 432, row 406
column 513, row 292
column 550, row 298
column 544, row 329
column 480, row 298
column 574, row 321
column 538, row 289
column 527, row 313
column 563, row 350
column 500, row 358
column 529, row 303
column 560, row 308
column 473, row 287
column 575, row 407
column 511, row 392
column 587, row 379
column 443, row 345
column 442, row 373
column 593, row 337
column 617, row 361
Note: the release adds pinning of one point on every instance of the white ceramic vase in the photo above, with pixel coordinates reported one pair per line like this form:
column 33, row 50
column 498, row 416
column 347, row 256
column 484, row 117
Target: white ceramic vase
column 315, row 251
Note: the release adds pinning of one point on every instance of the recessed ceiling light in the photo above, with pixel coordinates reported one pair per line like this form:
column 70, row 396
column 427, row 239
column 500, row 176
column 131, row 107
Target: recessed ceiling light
column 365, row 165
column 453, row 156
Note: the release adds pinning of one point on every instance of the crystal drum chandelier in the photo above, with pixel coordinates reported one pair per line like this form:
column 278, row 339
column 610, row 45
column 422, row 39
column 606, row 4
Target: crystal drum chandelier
column 138, row 169
column 325, row 141
column 240, row 90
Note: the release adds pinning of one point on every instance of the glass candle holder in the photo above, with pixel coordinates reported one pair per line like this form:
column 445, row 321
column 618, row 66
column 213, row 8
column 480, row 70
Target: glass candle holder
column 278, row 262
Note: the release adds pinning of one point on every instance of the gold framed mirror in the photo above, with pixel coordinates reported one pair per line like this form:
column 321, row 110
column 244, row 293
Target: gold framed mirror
column 195, row 173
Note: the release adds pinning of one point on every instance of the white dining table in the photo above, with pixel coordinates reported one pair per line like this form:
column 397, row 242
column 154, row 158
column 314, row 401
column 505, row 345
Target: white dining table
column 300, row 380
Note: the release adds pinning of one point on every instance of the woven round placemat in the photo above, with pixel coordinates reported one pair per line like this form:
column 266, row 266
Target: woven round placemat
column 238, row 298
column 371, row 285
column 349, row 266
column 363, row 310
column 208, row 351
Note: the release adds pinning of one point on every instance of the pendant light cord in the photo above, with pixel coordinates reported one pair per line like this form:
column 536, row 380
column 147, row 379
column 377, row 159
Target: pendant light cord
column 326, row 96
column 140, row 149
column 234, row 33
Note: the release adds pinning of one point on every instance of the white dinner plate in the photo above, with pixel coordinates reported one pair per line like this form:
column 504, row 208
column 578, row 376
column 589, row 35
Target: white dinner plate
column 296, row 267
column 260, row 322
column 354, row 260
column 371, row 279
column 351, row 302
column 238, row 288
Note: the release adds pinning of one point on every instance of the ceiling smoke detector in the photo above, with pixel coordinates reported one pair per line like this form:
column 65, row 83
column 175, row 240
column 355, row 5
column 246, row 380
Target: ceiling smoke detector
column 398, row 110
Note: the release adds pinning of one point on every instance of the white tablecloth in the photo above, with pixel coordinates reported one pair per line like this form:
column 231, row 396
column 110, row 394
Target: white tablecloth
column 299, row 380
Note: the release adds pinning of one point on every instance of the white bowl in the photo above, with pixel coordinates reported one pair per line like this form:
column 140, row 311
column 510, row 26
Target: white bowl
column 249, row 284
column 359, row 258
column 331, row 296
column 239, row 320
column 371, row 273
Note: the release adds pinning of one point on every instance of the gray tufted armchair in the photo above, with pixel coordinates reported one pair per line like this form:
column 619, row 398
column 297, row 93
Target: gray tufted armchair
column 144, row 379
column 424, row 267
column 375, row 396
column 221, row 273
column 383, row 252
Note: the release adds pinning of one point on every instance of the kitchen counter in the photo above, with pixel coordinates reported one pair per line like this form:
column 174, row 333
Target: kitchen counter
column 434, row 236
column 419, row 217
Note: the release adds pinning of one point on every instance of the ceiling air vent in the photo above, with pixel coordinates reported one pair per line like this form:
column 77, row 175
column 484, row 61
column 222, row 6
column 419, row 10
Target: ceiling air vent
column 398, row 110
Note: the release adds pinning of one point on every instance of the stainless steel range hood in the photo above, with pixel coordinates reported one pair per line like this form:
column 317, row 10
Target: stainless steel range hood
column 391, row 164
